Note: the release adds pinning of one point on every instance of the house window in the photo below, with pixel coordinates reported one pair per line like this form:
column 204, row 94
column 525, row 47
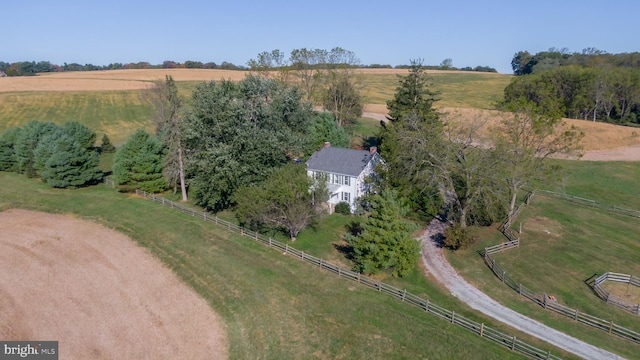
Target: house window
column 346, row 180
column 346, row 197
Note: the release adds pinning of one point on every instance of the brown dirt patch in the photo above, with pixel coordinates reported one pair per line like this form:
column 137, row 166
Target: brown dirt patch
column 627, row 292
column 97, row 293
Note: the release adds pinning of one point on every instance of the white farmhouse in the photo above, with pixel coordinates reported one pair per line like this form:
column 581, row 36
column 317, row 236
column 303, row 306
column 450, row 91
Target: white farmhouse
column 346, row 171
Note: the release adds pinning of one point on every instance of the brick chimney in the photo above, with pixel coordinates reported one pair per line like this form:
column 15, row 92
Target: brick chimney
column 373, row 150
column 327, row 144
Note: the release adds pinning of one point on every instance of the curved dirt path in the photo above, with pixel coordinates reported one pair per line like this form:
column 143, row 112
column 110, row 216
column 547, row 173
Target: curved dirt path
column 97, row 293
column 439, row 269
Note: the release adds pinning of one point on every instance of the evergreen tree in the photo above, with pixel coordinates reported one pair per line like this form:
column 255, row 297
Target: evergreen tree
column 385, row 242
column 8, row 159
column 324, row 128
column 71, row 165
column 107, row 147
column 413, row 98
column 85, row 137
column 28, row 141
column 138, row 163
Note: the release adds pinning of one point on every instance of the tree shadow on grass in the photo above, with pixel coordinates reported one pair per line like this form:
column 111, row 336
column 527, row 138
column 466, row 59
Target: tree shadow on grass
column 354, row 228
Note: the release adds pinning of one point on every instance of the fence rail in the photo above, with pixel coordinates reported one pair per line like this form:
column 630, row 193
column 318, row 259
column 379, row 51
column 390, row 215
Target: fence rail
column 591, row 203
column 611, row 298
column 549, row 303
column 480, row 329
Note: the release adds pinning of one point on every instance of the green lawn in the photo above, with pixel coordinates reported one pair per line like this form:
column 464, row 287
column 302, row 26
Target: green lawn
column 273, row 306
column 564, row 244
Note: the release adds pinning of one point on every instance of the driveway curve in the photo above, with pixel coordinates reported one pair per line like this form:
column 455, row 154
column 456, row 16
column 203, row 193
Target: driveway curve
column 440, row 270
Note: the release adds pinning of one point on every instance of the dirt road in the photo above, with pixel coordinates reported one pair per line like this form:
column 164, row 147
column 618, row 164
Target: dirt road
column 440, row 270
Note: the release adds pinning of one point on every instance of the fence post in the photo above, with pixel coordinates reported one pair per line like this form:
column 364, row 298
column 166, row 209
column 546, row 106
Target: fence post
column 513, row 344
column 545, row 301
column 426, row 308
column 302, row 256
column 286, row 248
column 453, row 317
column 404, row 294
column 503, row 275
column 576, row 316
column 610, row 326
column 481, row 329
column 269, row 242
column 520, row 289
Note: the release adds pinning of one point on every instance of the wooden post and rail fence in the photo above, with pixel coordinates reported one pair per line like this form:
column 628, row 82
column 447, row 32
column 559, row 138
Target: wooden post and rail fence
column 550, row 303
column 480, row 329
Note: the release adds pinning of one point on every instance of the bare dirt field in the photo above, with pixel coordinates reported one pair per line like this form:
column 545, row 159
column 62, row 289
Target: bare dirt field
column 97, row 293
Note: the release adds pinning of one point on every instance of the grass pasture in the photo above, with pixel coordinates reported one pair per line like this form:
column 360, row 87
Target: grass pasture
column 457, row 89
column 274, row 307
column 562, row 245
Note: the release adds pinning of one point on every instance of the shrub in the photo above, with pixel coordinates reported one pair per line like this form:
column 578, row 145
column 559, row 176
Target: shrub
column 456, row 237
column 343, row 208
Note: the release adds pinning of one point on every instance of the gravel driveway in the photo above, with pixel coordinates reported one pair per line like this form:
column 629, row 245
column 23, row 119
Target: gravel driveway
column 440, row 270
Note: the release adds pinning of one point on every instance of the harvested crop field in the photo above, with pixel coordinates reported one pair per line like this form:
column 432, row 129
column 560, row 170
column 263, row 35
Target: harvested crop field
column 97, row 293
column 111, row 79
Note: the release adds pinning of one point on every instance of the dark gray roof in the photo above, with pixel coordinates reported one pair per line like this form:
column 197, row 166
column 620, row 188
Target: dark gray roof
column 339, row 160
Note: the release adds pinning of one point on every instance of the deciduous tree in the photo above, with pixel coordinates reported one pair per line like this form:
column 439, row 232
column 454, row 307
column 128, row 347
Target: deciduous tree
column 288, row 199
column 237, row 133
column 525, row 139
column 168, row 118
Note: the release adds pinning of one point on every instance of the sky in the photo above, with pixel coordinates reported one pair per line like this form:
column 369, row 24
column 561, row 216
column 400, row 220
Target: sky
column 470, row 33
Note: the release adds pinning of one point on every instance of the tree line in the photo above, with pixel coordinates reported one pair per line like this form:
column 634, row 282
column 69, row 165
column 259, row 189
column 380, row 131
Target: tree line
column 30, row 68
column 591, row 85
column 63, row 156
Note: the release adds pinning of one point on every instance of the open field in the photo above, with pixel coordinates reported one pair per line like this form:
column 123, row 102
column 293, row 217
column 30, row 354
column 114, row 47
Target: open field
column 89, row 288
column 562, row 245
column 272, row 306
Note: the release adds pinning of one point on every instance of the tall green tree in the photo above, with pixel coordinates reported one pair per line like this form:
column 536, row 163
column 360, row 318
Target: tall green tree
column 323, row 129
column 71, row 164
column 385, row 242
column 8, row 140
column 85, row 136
column 28, row 141
column 410, row 109
column 288, row 199
column 413, row 97
column 237, row 133
column 168, row 118
column 137, row 164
